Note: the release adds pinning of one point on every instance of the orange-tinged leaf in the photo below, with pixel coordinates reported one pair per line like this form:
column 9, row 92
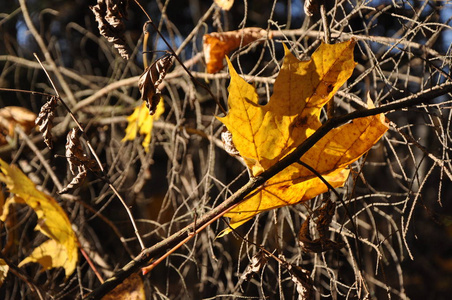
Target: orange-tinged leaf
column 142, row 123
column 131, row 288
column 11, row 116
column 52, row 221
column 217, row 45
column 263, row 135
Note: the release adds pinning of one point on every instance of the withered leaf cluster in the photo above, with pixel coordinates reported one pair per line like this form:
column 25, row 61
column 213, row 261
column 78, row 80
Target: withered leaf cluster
column 152, row 77
column 110, row 16
column 45, row 120
column 323, row 221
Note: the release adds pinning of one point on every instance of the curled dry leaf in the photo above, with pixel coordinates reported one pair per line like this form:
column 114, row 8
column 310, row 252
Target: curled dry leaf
column 323, row 221
column 131, row 288
column 257, row 262
column 224, row 4
column 226, row 138
column 149, row 81
column 74, row 152
column 311, row 7
column 217, row 45
column 77, row 159
column 45, row 120
column 76, row 181
column 11, row 116
column 109, row 16
column 303, row 281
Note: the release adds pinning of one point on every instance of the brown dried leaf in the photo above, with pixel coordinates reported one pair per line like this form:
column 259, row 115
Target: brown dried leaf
column 45, row 120
column 226, row 138
column 217, row 45
column 326, row 213
column 257, row 262
column 74, row 152
column 323, row 243
column 76, row 181
column 109, row 16
column 311, row 7
column 131, row 288
column 303, row 281
column 149, row 81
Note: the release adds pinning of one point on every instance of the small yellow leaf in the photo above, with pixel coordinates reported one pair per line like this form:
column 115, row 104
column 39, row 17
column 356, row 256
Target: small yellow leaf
column 52, row 220
column 224, row 4
column 264, row 135
column 141, row 122
column 4, row 268
column 130, row 289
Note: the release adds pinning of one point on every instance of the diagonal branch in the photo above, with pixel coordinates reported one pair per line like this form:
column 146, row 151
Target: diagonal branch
column 171, row 243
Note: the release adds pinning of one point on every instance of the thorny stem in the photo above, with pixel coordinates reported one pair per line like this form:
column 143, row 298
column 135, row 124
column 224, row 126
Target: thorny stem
column 173, row 240
column 178, row 59
column 104, row 174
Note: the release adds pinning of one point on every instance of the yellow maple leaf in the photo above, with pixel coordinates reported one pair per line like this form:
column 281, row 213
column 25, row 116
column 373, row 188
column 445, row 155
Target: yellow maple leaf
column 265, row 134
column 61, row 250
column 141, row 122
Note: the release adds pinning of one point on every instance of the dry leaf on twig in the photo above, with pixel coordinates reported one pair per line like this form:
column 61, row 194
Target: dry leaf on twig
column 76, row 181
column 257, row 262
column 323, row 221
column 303, row 281
column 45, row 120
column 74, row 152
column 109, row 16
column 149, row 81
column 77, row 159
